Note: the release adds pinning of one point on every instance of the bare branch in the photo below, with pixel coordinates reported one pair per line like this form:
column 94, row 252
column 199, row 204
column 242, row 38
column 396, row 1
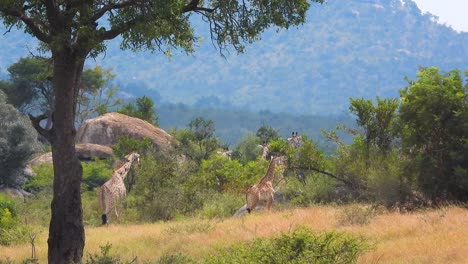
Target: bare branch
column 341, row 179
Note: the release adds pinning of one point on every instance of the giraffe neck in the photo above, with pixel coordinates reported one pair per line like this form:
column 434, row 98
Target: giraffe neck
column 123, row 170
column 270, row 174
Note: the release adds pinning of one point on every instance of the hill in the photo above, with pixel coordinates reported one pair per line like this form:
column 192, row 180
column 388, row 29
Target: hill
column 361, row 48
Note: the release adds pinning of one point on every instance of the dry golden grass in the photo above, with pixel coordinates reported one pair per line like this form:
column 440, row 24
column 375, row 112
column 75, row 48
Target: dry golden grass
column 432, row 236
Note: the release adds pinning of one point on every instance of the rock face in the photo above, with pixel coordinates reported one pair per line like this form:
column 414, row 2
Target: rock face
column 89, row 151
column 44, row 158
column 106, row 130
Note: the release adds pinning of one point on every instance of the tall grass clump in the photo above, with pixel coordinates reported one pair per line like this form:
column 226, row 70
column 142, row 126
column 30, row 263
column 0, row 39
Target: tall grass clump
column 300, row 246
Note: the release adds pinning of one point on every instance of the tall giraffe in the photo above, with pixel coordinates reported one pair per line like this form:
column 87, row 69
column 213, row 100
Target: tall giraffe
column 263, row 190
column 114, row 189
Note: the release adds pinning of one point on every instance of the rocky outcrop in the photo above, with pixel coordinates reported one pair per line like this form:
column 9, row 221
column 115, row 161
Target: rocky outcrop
column 89, row 151
column 106, row 130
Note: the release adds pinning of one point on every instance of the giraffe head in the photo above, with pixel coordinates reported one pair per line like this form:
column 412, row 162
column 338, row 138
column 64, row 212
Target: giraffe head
column 132, row 157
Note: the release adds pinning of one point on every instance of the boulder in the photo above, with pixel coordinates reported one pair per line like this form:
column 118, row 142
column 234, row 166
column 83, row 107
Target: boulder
column 89, row 151
column 15, row 192
column 106, row 130
column 44, row 158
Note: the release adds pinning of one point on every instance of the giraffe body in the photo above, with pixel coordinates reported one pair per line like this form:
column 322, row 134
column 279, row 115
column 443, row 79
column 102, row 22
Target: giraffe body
column 263, row 191
column 114, row 189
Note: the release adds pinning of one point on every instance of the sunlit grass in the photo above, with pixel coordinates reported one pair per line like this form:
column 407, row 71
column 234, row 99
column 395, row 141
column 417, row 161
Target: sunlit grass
column 431, row 236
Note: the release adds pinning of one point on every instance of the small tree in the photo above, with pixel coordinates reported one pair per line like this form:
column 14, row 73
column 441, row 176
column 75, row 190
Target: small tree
column 18, row 141
column 267, row 133
column 143, row 108
column 434, row 132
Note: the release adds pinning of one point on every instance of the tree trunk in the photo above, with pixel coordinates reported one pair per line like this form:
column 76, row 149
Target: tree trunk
column 66, row 230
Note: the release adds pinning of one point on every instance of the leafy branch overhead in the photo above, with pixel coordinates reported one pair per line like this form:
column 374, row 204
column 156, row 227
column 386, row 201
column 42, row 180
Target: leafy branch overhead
column 154, row 25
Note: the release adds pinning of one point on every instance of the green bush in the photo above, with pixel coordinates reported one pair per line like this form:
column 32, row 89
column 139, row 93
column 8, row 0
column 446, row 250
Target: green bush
column 301, row 246
column 18, row 141
column 43, row 181
column 95, row 174
column 126, row 145
column 8, row 213
column 316, row 189
column 218, row 205
column 105, row 257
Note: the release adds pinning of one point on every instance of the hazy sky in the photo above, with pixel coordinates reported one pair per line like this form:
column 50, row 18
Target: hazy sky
column 451, row 12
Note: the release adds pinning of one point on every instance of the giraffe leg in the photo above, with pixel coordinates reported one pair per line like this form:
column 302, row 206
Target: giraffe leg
column 117, row 220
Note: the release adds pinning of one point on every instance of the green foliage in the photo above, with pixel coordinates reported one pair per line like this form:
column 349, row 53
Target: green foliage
column 125, row 145
column 279, row 147
column 197, row 142
column 159, row 192
column 95, row 174
column 97, row 93
column 8, row 212
column 105, row 257
column 267, row 133
column 222, row 174
column 434, row 132
column 248, row 149
column 376, row 121
column 30, row 86
column 300, row 246
column 142, row 109
column 43, row 180
column 18, row 141
column 219, row 205
column 309, row 189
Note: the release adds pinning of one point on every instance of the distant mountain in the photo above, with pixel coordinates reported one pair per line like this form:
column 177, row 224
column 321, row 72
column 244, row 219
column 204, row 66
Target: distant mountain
column 346, row 49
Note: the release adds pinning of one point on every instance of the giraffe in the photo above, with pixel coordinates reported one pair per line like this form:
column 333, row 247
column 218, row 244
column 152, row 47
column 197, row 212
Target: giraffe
column 225, row 153
column 265, row 150
column 295, row 140
column 263, row 190
column 114, row 189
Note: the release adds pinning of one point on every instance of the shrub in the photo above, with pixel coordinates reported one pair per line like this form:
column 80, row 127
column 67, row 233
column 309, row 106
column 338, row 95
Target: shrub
column 95, row 174
column 126, row 145
column 356, row 215
column 18, row 141
column 221, row 205
column 301, row 246
column 43, row 180
column 105, row 257
column 8, row 212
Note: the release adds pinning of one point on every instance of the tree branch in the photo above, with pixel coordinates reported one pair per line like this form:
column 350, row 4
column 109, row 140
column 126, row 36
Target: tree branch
column 343, row 180
column 30, row 23
column 109, row 7
column 193, row 6
column 117, row 30
column 35, row 121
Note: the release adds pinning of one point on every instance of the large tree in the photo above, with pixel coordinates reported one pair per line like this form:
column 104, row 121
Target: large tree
column 73, row 30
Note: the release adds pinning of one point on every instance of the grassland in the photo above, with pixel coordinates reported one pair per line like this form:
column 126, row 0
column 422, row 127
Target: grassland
column 430, row 236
